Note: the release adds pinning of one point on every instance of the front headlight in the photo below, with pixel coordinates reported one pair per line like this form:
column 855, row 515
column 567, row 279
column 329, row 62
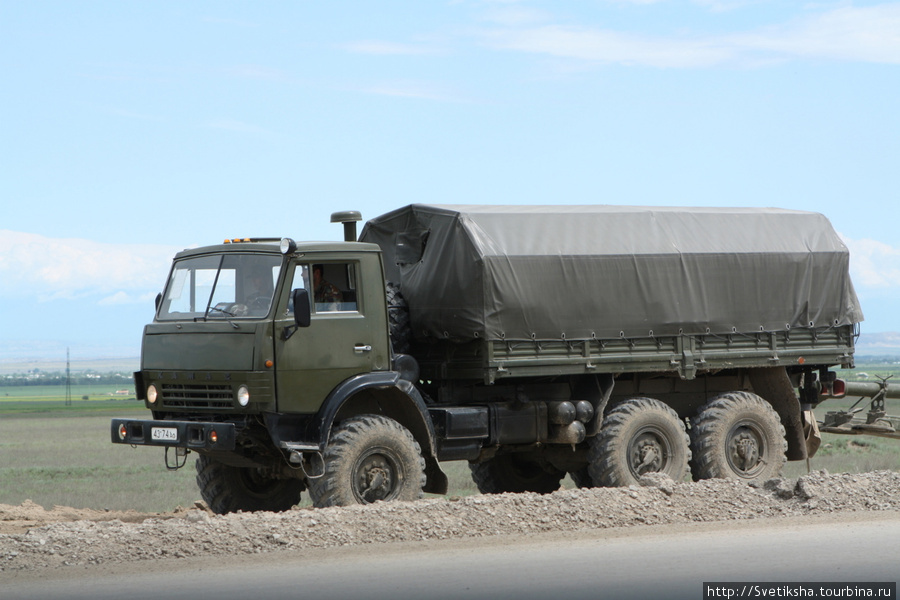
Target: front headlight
column 243, row 395
column 287, row 246
column 151, row 394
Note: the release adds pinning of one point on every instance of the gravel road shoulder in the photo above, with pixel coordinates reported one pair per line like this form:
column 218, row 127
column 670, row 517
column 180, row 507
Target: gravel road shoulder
column 33, row 540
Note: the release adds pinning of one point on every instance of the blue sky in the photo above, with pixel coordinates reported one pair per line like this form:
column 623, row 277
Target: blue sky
column 134, row 129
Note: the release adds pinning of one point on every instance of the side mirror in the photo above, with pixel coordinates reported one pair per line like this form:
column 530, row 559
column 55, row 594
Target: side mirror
column 302, row 307
column 158, row 300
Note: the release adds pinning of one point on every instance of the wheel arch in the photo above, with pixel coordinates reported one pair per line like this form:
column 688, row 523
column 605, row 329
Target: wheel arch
column 385, row 393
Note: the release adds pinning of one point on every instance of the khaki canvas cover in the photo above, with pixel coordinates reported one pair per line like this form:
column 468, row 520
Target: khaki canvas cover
column 544, row 272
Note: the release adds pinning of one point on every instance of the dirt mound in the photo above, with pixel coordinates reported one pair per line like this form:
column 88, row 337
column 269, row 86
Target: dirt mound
column 28, row 515
column 66, row 537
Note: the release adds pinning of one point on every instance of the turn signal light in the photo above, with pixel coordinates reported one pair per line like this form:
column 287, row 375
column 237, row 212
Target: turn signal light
column 213, row 436
column 123, row 432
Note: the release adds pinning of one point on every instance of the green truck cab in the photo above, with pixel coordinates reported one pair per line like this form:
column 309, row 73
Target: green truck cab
column 532, row 342
column 232, row 371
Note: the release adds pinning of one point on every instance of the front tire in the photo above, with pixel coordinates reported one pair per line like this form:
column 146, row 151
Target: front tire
column 227, row 489
column 515, row 473
column 582, row 478
column 639, row 436
column 370, row 458
column 737, row 435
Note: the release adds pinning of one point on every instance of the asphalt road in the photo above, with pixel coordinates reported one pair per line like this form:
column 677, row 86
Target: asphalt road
column 670, row 562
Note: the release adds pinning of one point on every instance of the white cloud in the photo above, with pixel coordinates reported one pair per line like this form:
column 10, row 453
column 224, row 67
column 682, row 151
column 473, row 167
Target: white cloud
column 516, row 16
column 874, row 264
column 119, row 297
column 870, row 34
column 607, row 46
column 724, row 5
column 45, row 268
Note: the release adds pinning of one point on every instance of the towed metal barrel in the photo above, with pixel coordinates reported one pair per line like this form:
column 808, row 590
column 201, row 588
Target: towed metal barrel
column 877, row 422
column 869, row 389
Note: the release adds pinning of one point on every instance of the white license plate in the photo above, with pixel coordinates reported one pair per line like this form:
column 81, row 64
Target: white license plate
column 166, row 434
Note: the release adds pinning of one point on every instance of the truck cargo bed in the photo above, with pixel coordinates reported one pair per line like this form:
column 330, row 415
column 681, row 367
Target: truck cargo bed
column 686, row 355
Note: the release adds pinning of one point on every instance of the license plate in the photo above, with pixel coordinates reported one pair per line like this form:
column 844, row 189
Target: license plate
column 165, row 434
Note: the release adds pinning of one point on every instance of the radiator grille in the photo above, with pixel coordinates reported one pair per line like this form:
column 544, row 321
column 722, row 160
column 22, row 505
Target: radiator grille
column 194, row 395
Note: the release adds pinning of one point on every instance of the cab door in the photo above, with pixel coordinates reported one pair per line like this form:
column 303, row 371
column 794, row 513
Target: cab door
column 347, row 335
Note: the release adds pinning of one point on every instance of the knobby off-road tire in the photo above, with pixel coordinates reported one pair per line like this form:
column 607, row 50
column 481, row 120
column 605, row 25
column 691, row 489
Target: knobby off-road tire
column 737, row 435
column 515, row 473
column 370, row 458
column 639, row 436
column 228, row 489
column 582, row 478
column 399, row 325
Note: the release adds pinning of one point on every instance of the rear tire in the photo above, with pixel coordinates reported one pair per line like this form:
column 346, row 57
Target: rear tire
column 639, row 436
column 737, row 435
column 370, row 458
column 228, row 489
column 515, row 473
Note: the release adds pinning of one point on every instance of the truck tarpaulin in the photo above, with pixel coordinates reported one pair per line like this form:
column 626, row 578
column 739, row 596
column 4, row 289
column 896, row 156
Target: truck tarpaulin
column 548, row 272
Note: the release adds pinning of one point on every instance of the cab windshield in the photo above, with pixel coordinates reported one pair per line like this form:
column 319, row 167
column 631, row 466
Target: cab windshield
column 227, row 286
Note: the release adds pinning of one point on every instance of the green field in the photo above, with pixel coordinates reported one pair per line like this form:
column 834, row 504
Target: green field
column 65, row 457
column 45, row 393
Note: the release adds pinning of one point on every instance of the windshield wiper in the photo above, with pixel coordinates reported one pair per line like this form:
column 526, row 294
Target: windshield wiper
column 221, row 310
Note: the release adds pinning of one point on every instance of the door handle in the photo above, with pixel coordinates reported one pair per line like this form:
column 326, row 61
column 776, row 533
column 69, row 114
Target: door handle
column 360, row 348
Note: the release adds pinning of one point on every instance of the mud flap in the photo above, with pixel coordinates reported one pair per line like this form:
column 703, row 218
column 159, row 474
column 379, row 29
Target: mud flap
column 811, row 433
column 773, row 384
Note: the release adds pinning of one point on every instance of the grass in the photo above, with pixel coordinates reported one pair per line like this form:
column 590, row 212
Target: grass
column 54, row 393
column 65, row 457
column 850, row 454
column 50, row 400
column 58, row 455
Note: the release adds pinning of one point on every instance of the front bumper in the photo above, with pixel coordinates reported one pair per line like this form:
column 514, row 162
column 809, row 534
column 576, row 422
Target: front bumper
column 193, row 435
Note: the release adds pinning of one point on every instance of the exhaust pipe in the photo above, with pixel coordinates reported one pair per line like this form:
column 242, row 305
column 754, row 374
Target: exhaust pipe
column 349, row 219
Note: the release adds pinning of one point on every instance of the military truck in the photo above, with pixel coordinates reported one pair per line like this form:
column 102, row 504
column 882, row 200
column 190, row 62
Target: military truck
column 531, row 341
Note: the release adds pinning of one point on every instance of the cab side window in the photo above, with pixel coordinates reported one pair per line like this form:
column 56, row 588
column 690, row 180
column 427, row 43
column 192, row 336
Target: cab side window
column 334, row 287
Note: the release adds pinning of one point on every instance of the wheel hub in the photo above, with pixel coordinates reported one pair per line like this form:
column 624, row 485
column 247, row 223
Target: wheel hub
column 647, row 455
column 375, row 478
column 744, row 450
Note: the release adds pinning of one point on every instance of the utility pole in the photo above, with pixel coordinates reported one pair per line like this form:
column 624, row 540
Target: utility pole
column 68, row 380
